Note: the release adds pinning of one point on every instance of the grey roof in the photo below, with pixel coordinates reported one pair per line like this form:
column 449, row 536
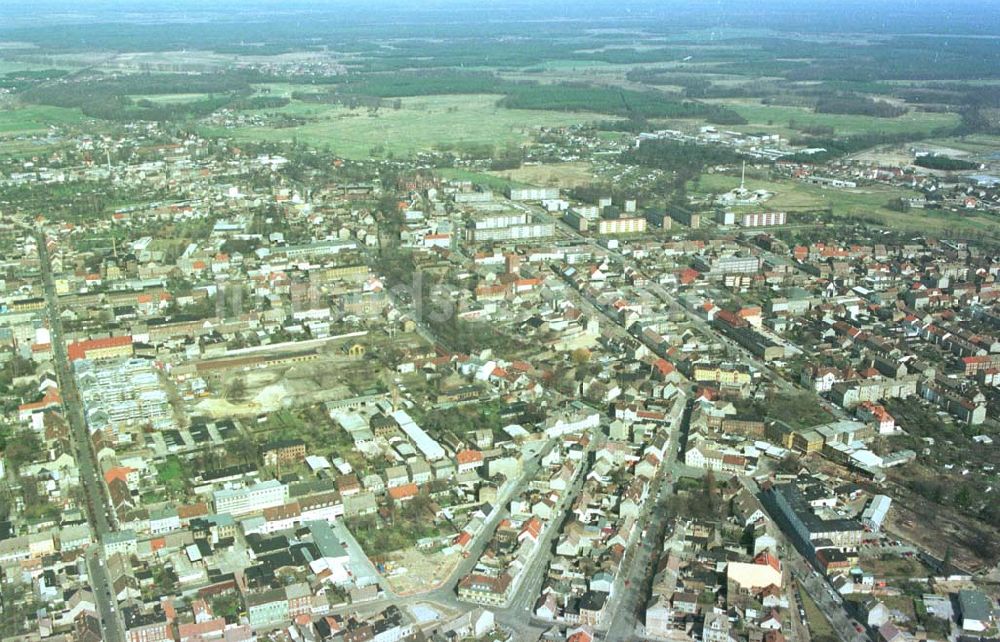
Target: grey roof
column 326, row 540
column 974, row 605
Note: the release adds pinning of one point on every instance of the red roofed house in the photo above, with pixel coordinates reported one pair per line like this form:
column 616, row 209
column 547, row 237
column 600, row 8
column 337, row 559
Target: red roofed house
column 405, row 492
column 663, row 367
column 768, row 559
column 468, row 460
column 463, row 539
column 125, row 473
column 105, row 348
column 975, row 364
column 688, row 276
column 51, row 401
column 532, row 529
column 877, row 414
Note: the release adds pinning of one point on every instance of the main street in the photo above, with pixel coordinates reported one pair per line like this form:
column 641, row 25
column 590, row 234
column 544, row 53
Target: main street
column 530, row 582
column 673, row 305
column 795, row 559
column 98, row 508
column 627, row 606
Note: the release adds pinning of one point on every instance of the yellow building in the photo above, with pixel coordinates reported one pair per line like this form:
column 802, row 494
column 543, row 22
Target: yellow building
column 807, row 441
column 625, row 225
column 724, row 374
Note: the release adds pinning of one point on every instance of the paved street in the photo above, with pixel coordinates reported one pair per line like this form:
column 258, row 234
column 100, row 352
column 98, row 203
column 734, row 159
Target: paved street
column 99, row 513
column 828, row 601
column 627, row 608
column 530, row 582
column 445, row 596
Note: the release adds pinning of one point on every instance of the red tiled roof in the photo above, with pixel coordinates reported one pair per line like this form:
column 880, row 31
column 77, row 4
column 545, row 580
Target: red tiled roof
column 192, row 510
column 468, row 456
column 532, row 527
column 118, row 472
column 766, row 558
column 404, row 492
column 79, row 349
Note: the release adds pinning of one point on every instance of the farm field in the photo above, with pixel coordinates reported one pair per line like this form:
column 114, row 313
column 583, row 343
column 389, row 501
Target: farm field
column 776, row 118
column 422, row 123
column 37, row 118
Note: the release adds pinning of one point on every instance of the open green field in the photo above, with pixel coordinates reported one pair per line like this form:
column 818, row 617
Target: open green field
column 896, row 568
column 819, row 627
column 25, row 146
column 796, row 195
column 8, row 66
column 562, row 175
column 170, row 99
column 973, row 144
column 868, row 201
column 776, row 118
column 422, row 123
column 37, row 118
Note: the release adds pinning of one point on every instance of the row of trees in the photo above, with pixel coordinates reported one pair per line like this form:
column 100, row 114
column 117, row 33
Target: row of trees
column 945, row 163
column 858, row 105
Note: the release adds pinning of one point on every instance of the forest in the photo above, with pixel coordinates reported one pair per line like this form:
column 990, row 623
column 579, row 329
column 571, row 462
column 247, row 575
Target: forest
column 618, row 102
column 945, row 163
column 860, row 105
column 685, row 160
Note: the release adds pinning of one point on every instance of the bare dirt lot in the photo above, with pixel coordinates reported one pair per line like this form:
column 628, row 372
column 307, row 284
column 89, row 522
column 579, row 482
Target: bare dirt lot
column 424, row 571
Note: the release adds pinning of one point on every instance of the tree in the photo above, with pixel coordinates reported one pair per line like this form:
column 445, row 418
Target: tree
column 227, row 605
column 23, row 449
column 236, row 390
column 580, row 356
column 789, row 464
column 748, row 538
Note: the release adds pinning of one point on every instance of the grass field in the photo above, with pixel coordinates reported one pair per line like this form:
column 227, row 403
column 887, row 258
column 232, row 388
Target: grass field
column 37, row 118
column 790, row 194
column 776, row 118
column 7, row 66
column 868, row 202
column 800, row 410
column 173, row 474
column 973, row 144
column 421, row 124
column 170, row 99
column 25, row 146
column 819, row 627
column 551, row 175
column 896, row 568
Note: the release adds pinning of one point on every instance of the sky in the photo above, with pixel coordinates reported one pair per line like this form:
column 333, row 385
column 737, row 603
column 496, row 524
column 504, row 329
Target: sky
column 953, row 16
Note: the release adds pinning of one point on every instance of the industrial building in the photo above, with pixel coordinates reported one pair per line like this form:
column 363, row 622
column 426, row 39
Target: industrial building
column 805, row 506
column 431, row 449
column 873, row 516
